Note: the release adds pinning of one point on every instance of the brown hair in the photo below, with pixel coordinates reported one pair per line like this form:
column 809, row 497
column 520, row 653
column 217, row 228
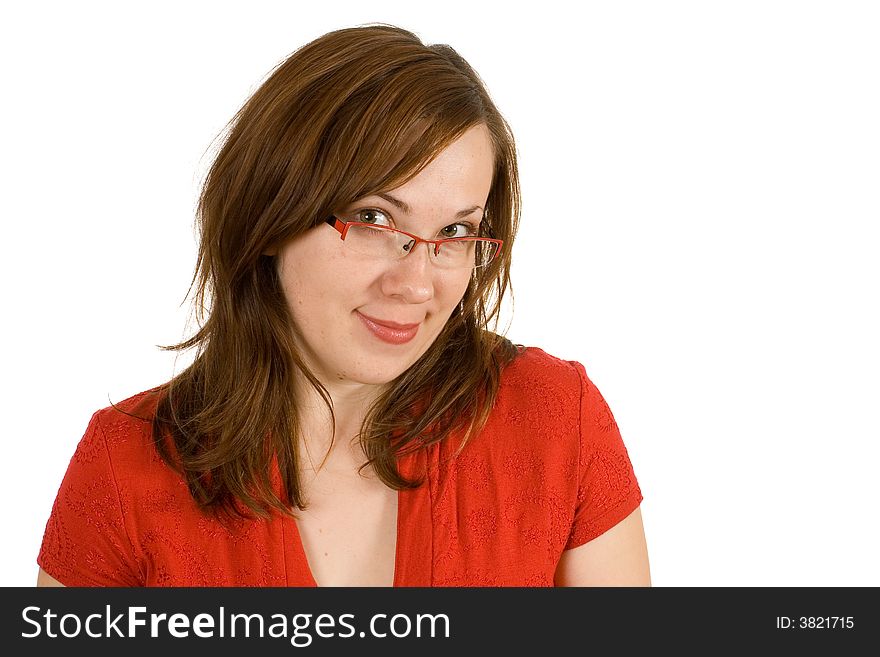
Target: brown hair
column 354, row 112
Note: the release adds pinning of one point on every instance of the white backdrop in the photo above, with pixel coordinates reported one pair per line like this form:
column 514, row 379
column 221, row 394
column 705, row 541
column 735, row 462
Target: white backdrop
column 700, row 229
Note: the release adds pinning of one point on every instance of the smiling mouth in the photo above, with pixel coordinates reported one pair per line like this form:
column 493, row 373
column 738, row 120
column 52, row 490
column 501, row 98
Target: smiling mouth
column 389, row 332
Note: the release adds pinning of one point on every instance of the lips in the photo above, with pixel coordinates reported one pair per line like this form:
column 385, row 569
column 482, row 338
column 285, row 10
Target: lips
column 388, row 331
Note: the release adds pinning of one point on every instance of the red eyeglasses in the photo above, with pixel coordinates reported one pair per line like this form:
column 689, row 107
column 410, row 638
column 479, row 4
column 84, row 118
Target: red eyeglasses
column 388, row 243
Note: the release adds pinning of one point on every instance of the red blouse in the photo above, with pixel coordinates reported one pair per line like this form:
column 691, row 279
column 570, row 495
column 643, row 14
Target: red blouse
column 548, row 473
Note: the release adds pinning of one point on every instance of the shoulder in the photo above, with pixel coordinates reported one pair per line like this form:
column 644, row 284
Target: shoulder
column 127, row 422
column 550, row 404
column 532, row 361
column 536, row 378
column 537, row 409
column 92, row 535
column 121, row 435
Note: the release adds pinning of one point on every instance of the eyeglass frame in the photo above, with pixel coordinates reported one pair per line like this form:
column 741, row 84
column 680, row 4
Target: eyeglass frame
column 342, row 228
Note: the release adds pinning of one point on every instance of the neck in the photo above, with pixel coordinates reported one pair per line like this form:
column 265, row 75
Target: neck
column 319, row 444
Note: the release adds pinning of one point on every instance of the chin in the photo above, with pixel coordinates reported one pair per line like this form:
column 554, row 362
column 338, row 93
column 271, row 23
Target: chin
column 381, row 371
column 378, row 376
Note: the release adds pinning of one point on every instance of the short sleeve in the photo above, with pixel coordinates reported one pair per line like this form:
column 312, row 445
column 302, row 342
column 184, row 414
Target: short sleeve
column 85, row 542
column 607, row 487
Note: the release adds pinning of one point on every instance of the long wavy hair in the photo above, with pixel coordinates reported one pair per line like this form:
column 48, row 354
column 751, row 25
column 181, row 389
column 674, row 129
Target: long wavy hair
column 355, row 112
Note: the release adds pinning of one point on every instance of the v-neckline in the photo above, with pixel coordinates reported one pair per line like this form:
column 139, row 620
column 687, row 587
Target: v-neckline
column 413, row 529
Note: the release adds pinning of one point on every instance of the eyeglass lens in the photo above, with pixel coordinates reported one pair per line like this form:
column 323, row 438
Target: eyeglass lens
column 391, row 245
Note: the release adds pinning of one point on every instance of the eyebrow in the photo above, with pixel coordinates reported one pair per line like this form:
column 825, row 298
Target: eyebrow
column 405, row 207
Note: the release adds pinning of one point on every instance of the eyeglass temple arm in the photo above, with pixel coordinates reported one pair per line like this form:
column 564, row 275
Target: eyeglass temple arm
column 336, row 223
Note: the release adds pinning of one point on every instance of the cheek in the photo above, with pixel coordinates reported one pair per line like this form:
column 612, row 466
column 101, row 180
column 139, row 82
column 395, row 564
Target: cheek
column 305, row 270
column 310, row 296
column 321, row 285
column 310, row 300
column 453, row 288
column 304, row 283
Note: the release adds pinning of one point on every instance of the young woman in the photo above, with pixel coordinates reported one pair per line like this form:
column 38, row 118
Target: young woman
column 349, row 418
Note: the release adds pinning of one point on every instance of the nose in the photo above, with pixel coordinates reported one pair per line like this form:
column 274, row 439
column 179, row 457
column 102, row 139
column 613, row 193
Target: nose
column 412, row 277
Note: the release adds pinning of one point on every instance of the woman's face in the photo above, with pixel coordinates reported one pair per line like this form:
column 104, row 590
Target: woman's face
column 363, row 320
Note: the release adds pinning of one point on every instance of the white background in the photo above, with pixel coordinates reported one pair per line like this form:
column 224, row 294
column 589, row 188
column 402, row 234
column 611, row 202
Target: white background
column 700, row 230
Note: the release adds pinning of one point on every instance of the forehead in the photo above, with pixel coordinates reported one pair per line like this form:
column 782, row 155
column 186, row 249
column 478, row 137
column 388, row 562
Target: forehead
column 459, row 175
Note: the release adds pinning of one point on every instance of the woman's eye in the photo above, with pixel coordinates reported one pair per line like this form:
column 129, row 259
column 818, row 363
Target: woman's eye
column 376, row 217
column 458, row 230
